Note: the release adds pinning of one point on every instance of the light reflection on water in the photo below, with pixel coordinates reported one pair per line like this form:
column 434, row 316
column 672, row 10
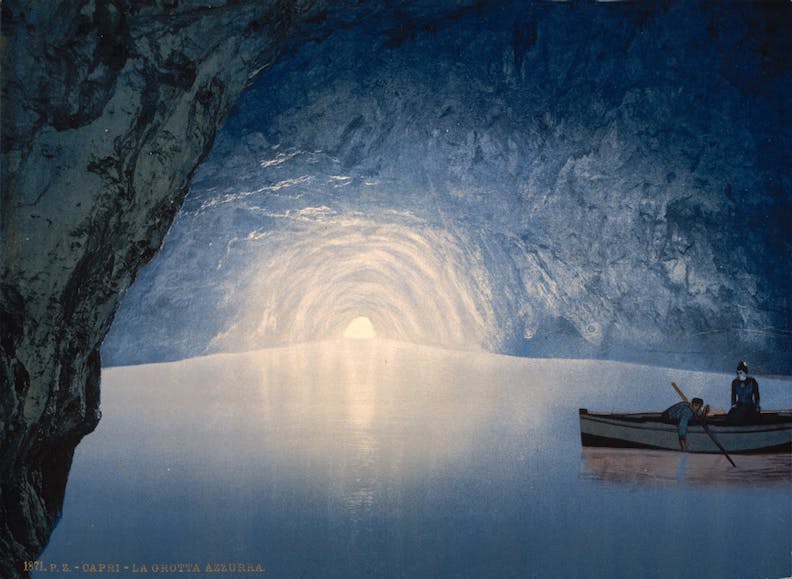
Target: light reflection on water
column 375, row 459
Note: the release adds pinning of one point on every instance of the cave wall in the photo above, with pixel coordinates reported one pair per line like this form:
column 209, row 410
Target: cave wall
column 614, row 173
column 108, row 107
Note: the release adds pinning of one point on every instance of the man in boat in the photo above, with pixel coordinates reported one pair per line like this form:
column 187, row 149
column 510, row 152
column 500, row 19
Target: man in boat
column 681, row 414
column 744, row 397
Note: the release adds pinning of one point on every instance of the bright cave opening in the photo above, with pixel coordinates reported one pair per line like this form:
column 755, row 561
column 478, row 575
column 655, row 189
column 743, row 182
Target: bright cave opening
column 360, row 328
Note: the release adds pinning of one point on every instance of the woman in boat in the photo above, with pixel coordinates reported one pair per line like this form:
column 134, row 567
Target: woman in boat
column 681, row 414
column 744, row 397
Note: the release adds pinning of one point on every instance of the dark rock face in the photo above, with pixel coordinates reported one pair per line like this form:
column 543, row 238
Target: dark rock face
column 109, row 107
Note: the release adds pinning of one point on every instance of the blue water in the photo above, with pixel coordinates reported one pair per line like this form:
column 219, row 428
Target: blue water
column 374, row 459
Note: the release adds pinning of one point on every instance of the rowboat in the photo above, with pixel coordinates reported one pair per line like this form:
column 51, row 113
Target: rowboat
column 770, row 433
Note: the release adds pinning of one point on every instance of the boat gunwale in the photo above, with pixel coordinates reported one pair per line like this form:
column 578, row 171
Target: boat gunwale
column 769, row 421
column 662, row 425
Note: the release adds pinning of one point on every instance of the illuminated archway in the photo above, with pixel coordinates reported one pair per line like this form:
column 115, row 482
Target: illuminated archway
column 360, row 328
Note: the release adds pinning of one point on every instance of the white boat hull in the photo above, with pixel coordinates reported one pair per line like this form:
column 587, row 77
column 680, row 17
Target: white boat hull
column 648, row 430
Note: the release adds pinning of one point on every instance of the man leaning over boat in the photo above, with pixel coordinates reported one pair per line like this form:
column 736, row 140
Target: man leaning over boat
column 681, row 414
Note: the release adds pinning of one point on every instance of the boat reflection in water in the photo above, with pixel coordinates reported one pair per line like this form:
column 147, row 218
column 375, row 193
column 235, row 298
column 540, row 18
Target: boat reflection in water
column 664, row 468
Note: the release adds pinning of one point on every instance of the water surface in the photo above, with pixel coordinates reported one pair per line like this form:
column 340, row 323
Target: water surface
column 376, row 459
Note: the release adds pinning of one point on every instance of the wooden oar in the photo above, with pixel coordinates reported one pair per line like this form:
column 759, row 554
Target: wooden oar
column 706, row 428
column 681, row 394
column 715, row 440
